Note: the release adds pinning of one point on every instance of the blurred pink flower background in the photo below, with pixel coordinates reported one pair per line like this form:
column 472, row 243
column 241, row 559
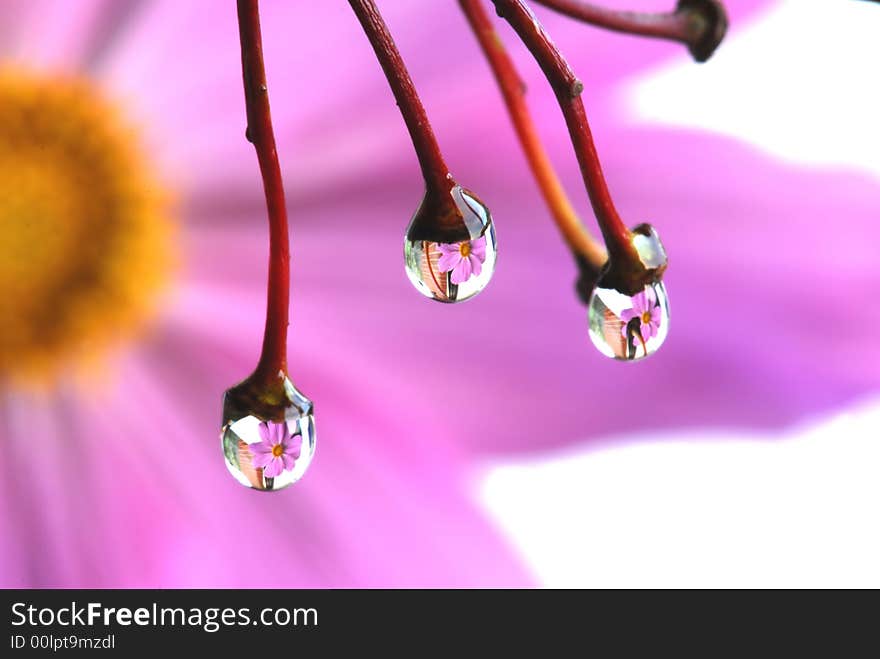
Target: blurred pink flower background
column 124, row 484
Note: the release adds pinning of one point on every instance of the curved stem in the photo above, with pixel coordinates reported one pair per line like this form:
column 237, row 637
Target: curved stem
column 434, row 168
column 273, row 357
column 698, row 24
column 670, row 25
column 573, row 231
column 568, row 88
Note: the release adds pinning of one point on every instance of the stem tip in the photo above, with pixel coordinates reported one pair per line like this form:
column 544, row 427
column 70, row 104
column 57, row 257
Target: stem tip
column 706, row 26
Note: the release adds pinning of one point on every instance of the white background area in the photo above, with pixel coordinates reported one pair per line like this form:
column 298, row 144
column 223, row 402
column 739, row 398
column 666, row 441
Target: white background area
column 801, row 81
column 702, row 509
column 719, row 508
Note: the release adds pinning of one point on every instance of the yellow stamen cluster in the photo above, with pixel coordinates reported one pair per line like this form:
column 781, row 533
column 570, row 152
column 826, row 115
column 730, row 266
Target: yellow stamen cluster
column 85, row 232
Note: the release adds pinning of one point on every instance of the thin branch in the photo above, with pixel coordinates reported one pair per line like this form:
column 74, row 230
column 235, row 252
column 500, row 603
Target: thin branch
column 573, row 231
column 273, row 358
column 568, row 88
column 434, row 168
column 698, row 24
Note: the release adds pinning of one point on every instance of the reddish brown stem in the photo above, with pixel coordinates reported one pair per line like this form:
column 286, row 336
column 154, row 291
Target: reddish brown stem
column 665, row 26
column 273, row 358
column 431, row 161
column 568, row 88
column 698, row 24
column 573, row 231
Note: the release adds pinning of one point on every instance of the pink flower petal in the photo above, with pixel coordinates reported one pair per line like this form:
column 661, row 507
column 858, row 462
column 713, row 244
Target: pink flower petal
column 260, row 447
column 640, row 303
column 449, row 261
column 656, row 316
column 476, row 265
column 264, row 431
column 274, row 468
column 478, row 248
column 448, row 248
column 294, row 446
column 461, row 273
column 261, row 459
column 288, row 461
column 279, row 432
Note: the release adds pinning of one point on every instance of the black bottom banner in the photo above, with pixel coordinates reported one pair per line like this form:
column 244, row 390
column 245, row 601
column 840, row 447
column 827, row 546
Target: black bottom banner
column 131, row 622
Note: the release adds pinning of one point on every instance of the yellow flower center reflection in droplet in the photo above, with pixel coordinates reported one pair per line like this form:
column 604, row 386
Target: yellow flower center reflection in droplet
column 646, row 317
column 277, row 450
column 465, row 249
column 85, row 232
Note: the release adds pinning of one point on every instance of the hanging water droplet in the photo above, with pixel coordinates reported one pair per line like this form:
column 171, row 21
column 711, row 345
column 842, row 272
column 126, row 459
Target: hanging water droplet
column 268, row 445
column 629, row 327
column 448, row 269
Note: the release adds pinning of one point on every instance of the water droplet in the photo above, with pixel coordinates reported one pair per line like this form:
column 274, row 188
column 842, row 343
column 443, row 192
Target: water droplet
column 269, row 447
column 629, row 327
column 454, row 271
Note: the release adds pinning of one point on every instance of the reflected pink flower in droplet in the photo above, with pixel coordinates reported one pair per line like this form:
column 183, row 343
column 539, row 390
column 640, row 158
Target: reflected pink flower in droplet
column 464, row 260
column 645, row 308
column 277, row 450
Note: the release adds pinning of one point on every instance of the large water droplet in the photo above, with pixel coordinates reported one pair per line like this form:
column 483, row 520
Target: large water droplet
column 269, row 451
column 455, row 271
column 629, row 327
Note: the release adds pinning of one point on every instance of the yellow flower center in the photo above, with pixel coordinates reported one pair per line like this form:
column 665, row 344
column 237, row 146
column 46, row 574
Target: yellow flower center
column 277, row 450
column 465, row 249
column 85, row 233
column 646, row 317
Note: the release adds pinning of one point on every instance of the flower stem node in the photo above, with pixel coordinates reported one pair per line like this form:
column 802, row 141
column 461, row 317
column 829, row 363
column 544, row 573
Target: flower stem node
column 450, row 248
